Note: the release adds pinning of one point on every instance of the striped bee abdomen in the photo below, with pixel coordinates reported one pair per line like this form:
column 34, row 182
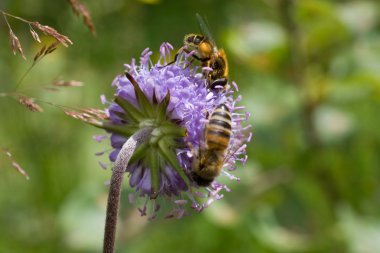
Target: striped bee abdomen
column 210, row 158
column 218, row 129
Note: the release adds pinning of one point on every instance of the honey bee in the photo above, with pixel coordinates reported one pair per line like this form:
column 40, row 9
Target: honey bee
column 208, row 163
column 206, row 51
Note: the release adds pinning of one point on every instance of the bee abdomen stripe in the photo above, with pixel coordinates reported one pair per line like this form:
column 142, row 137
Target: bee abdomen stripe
column 219, row 128
column 217, row 145
column 222, row 114
column 221, row 123
column 221, row 134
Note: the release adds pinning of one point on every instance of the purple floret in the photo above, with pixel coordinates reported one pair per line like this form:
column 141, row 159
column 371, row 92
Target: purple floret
column 190, row 103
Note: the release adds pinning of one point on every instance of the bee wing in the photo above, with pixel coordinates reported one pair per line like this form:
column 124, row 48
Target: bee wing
column 203, row 25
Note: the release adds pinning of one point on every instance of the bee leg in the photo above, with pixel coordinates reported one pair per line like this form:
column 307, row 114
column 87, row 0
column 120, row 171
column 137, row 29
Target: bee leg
column 175, row 57
column 201, row 59
column 190, row 145
column 221, row 82
column 173, row 61
column 187, row 65
column 194, row 57
column 194, row 151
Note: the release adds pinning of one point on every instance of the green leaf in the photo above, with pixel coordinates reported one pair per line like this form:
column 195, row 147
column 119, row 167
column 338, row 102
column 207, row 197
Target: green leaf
column 144, row 103
column 122, row 130
column 140, row 152
column 169, row 128
column 162, row 107
column 132, row 112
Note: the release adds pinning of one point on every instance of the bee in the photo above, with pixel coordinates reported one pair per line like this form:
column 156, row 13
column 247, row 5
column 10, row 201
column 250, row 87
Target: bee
column 206, row 51
column 208, row 163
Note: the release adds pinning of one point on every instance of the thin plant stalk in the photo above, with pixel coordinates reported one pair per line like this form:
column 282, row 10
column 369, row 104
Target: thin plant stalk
column 299, row 65
column 118, row 171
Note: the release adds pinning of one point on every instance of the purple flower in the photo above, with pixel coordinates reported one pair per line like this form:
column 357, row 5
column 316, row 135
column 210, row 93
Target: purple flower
column 173, row 100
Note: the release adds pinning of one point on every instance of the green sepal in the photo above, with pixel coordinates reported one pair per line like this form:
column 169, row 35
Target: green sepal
column 147, row 123
column 162, row 107
column 154, row 165
column 122, row 130
column 169, row 155
column 168, row 131
column 132, row 112
column 140, row 152
column 170, row 142
column 155, row 137
column 144, row 103
column 169, row 128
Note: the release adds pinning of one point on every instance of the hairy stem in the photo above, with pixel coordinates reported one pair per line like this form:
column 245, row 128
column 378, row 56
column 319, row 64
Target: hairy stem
column 118, row 171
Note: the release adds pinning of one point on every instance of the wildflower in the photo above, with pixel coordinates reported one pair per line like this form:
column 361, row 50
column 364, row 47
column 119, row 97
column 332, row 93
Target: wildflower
column 172, row 100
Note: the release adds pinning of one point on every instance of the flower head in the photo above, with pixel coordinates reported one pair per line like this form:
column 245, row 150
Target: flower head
column 174, row 101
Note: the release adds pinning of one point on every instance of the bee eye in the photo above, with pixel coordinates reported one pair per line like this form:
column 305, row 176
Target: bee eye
column 197, row 40
column 190, row 39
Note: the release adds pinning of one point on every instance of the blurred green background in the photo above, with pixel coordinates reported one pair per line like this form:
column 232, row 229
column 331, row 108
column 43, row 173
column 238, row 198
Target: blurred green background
column 309, row 71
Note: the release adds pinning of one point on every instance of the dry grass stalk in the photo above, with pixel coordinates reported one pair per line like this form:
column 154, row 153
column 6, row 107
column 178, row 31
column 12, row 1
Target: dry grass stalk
column 14, row 164
column 51, row 48
column 71, row 83
column 15, row 43
column 39, row 53
column 100, row 114
column 37, row 57
column 88, row 115
column 29, row 104
column 34, row 34
column 64, row 40
column 81, row 10
column 45, row 51
column 51, row 89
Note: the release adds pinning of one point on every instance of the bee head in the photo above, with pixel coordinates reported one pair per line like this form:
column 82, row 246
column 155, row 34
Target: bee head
column 201, row 181
column 193, row 40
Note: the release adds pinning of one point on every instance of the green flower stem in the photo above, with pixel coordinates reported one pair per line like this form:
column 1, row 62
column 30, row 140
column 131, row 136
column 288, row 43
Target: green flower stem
column 118, row 171
column 155, row 171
